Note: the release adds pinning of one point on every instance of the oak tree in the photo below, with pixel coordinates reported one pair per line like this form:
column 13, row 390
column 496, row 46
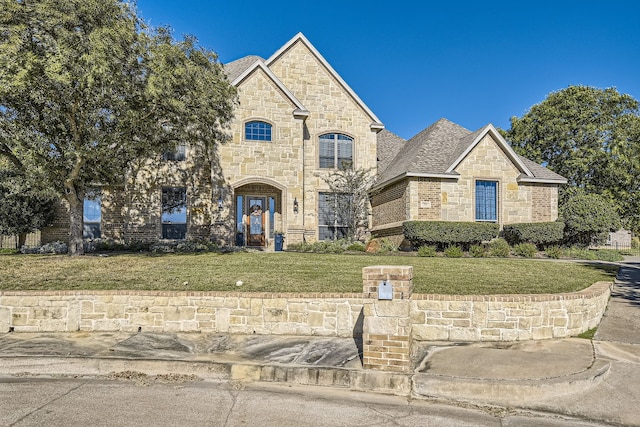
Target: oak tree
column 591, row 136
column 86, row 87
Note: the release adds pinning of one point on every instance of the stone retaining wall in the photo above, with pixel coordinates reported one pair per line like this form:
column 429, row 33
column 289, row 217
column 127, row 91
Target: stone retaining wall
column 162, row 311
column 432, row 317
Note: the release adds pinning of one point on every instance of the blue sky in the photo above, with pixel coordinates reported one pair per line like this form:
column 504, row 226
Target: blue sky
column 414, row 62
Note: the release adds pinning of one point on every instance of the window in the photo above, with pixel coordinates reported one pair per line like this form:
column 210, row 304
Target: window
column 91, row 216
column 331, row 209
column 178, row 154
column 486, row 201
column 336, row 151
column 257, row 131
column 174, row 213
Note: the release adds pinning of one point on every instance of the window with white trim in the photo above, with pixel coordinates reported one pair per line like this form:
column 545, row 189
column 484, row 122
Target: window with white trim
column 257, row 131
column 336, row 151
column 487, row 201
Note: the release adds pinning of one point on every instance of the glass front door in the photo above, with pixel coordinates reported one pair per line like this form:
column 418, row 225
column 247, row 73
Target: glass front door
column 255, row 224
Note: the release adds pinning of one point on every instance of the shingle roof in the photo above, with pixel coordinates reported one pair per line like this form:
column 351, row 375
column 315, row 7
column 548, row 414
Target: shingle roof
column 540, row 171
column 388, row 146
column 440, row 147
column 239, row 66
column 430, row 151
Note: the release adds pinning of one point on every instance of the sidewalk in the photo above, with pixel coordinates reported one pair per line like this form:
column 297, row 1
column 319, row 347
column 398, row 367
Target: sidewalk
column 593, row 380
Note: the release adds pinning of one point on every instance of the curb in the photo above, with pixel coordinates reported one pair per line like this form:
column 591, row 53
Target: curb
column 418, row 385
column 351, row 379
column 518, row 393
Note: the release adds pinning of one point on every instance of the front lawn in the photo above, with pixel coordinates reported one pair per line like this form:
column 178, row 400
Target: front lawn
column 291, row 272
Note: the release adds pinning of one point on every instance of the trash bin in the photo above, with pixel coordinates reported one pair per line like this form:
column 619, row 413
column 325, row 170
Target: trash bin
column 239, row 239
column 278, row 240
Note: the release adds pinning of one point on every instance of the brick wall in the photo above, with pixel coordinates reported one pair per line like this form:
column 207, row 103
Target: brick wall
column 390, row 206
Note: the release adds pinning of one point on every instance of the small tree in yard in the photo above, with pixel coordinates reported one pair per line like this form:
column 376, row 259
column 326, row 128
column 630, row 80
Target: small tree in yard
column 86, row 88
column 24, row 208
column 350, row 199
column 587, row 218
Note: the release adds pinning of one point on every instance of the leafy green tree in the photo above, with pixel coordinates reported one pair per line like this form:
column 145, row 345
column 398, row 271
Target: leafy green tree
column 587, row 218
column 86, row 88
column 590, row 136
column 349, row 195
column 24, row 208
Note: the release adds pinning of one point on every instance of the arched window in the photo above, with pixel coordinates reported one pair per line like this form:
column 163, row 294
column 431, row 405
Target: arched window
column 336, row 151
column 257, row 131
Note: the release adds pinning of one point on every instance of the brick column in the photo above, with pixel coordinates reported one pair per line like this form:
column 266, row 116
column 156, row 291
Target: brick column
column 386, row 335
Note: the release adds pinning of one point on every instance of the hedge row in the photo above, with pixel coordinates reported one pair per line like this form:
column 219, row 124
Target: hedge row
column 540, row 233
column 444, row 233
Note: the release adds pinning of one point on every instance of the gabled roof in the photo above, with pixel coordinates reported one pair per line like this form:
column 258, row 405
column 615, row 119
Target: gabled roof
column 237, row 71
column 439, row 149
column 300, row 38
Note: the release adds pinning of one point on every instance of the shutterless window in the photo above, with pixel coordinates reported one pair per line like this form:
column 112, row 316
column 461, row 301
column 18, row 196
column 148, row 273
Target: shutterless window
column 91, row 217
column 336, row 151
column 174, row 213
column 330, row 223
column 487, row 201
column 178, row 154
column 257, row 131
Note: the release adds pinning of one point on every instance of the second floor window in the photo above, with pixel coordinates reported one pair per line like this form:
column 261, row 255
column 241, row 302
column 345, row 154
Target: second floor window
column 178, row 154
column 336, row 151
column 257, row 131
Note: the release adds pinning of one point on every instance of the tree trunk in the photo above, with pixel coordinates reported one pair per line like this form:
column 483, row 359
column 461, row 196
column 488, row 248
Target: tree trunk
column 75, row 224
column 22, row 238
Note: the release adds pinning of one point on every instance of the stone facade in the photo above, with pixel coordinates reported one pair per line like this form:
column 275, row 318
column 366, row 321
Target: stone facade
column 452, row 197
column 301, row 97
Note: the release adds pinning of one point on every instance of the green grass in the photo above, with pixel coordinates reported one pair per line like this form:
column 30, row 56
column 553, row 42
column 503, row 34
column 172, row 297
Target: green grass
column 588, row 335
column 291, row 272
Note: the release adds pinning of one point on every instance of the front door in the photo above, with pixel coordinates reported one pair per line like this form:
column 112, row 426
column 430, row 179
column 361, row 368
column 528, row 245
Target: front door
column 256, row 221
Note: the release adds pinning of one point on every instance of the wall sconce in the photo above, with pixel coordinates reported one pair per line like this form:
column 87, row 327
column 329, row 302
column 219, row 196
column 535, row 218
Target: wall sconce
column 295, row 205
column 220, row 203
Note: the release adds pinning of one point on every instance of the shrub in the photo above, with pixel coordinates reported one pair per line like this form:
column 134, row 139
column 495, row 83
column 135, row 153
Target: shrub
column 635, row 243
column 540, row 234
column 499, row 248
column 609, row 255
column 427, row 251
column 356, row 247
column 588, row 217
column 320, row 247
column 453, row 252
column 387, row 245
column 477, row 251
column 186, row 246
column 526, row 250
column 48, row 248
column 5, row 251
column 444, row 234
column 554, row 252
column 580, row 253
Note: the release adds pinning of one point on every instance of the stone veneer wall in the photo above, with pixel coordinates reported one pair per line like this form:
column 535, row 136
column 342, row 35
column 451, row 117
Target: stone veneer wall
column 508, row 317
column 432, row 317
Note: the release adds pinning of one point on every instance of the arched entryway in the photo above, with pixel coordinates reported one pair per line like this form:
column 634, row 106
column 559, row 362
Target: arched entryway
column 258, row 214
